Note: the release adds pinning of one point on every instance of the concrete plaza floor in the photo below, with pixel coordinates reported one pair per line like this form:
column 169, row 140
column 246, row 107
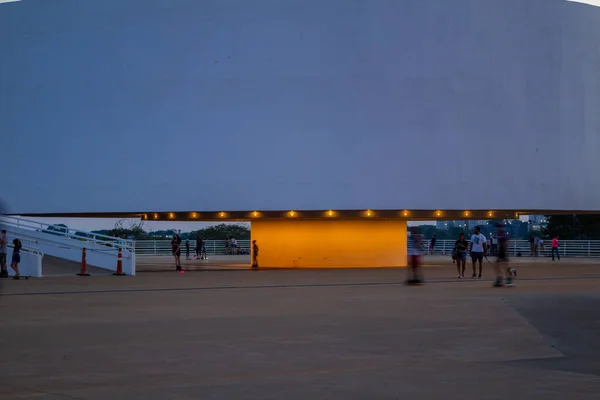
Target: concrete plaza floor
column 299, row 334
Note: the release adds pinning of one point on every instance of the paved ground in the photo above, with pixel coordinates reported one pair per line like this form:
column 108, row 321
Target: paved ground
column 298, row 334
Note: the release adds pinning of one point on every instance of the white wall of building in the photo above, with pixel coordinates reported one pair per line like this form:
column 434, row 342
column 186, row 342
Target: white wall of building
column 300, row 104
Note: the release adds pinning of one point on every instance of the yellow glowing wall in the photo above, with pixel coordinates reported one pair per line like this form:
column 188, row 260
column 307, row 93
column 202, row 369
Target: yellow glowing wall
column 330, row 243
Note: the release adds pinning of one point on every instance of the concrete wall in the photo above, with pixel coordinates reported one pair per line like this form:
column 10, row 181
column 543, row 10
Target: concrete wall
column 330, row 243
column 300, row 104
column 30, row 265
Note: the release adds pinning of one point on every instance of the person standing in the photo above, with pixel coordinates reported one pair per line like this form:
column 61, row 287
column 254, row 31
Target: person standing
column 461, row 246
column 495, row 243
column 176, row 250
column 3, row 252
column 432, row 244
column 198, row 247
column 203, row 255
column 16, row 257
column 478, row 250
column 531, row 245
column 254, row 254
column 555, row 247
column 233, row 245
column 536, row 246
column 187, row 249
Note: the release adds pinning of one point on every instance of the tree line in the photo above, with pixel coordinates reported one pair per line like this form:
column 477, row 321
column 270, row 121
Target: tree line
column 567, row 227
column 214, row 232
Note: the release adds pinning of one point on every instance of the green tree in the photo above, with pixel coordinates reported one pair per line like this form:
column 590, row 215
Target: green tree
column 57, row 229
column 573, row 227
column 222, row 232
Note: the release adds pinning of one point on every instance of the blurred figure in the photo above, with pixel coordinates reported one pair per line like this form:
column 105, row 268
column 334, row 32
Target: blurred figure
column 417, row 249
column 501, row 267
column 3, row 252
column 187, row 249
column 536, row 246
column 461, row 246
column 555, row 247
column 531, row 245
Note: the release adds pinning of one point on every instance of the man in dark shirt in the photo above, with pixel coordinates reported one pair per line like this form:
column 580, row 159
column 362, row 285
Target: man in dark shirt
column 198, row 247
column 461, row 246
column 432, row 244
column 254, row 254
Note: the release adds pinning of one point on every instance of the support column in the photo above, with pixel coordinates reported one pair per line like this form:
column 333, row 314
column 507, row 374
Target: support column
column 330, row 243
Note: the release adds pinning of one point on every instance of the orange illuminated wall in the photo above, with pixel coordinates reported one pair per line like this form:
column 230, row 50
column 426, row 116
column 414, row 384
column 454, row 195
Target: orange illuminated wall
column 330, row 243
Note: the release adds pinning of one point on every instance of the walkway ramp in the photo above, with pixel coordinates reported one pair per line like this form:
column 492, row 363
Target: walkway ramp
column 68, row 244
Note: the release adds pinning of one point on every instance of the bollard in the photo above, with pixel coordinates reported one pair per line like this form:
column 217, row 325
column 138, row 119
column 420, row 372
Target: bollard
column 119, row 264
column 83, row 271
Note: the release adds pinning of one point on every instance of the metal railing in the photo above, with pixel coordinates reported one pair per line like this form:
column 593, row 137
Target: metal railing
column 27, row 249
column 94, row 239
column 163, row 247
column 567, row 248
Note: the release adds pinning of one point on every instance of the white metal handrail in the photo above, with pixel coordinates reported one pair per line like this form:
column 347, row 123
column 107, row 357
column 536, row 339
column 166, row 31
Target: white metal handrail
column 90, row 238
column 567, row 248
column 28, row 250
column 163, row 247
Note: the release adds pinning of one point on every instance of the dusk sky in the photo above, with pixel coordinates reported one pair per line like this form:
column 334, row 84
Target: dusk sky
column 235, row 105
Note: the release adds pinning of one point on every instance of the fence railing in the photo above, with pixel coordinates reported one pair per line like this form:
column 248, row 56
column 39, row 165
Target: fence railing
column 94, row 239
column 27, row 249
column 567, row 248
column 213, row 247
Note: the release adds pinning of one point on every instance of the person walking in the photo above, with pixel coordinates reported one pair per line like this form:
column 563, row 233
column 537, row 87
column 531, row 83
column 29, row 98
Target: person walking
column 555, row 247
column 16, row 258
column 461, row 246
column 501, row 267
column 477, row 251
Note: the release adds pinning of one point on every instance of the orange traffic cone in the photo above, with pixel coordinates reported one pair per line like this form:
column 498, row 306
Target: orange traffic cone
column 83, row 271
column 119, row 264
